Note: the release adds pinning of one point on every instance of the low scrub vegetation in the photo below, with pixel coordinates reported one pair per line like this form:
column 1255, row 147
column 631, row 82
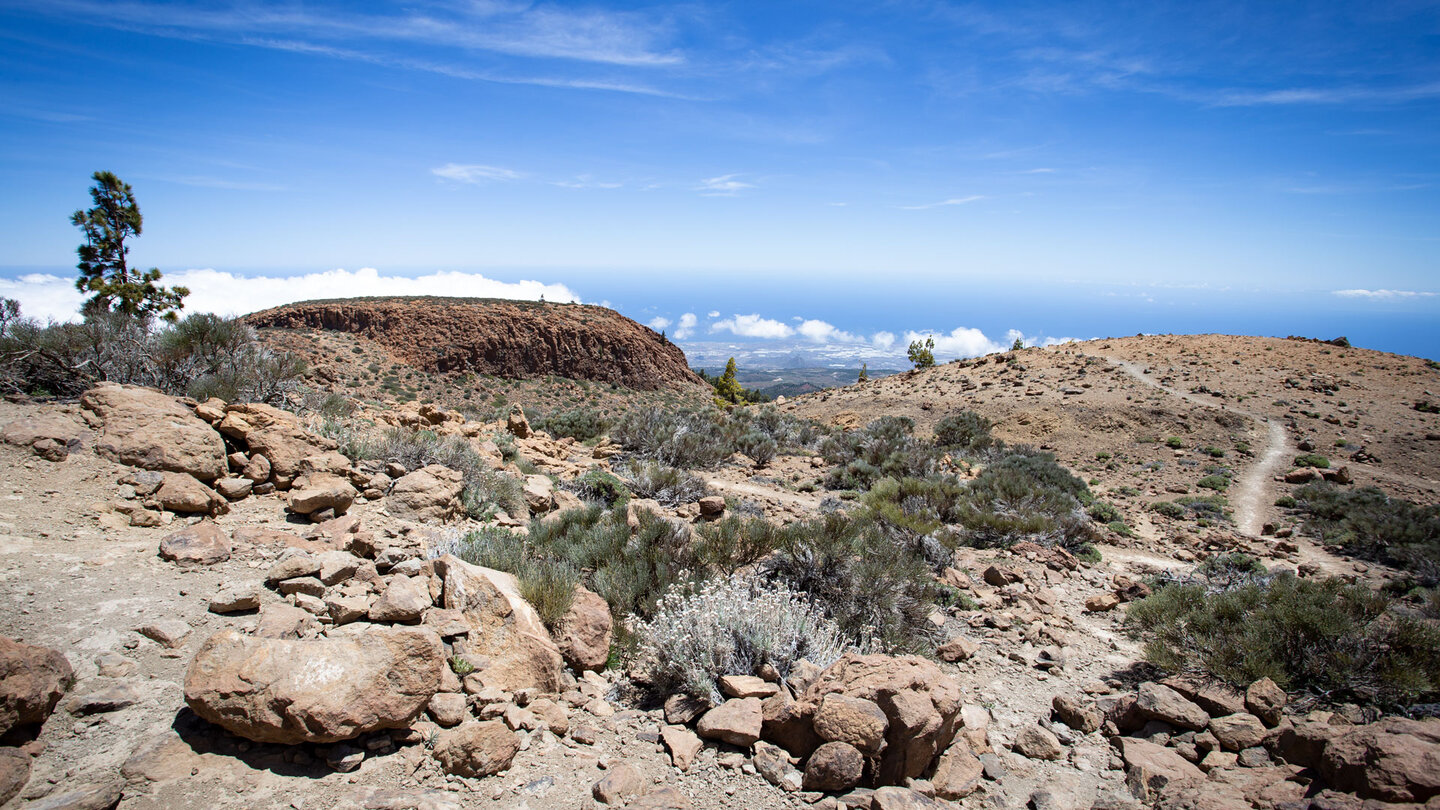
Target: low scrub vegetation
column 1237, row 623
column 664, row 484
column 485, row 490
column 200, row 356
column 731, row 626
column 1370, row 524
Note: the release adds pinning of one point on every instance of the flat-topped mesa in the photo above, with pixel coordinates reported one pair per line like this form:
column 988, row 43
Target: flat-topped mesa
column 513, row 339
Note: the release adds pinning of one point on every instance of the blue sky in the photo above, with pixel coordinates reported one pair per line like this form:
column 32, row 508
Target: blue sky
column 820, row 175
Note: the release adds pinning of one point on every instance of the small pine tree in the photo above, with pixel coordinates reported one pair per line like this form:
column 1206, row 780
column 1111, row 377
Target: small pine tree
column 864, row 374
column 1017, row 345
column 922, row 354
column 104, row 272
column 726, row 388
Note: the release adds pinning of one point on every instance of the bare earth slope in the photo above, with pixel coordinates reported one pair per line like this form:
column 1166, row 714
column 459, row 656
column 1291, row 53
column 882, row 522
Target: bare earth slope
column 1146, row 418
column 513, row 339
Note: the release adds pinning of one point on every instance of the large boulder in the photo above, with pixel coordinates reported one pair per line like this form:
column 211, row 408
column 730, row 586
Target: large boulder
column 1160, row 702
column 319, row 491
column 145, row 428
column 14, row 772
column 503, row 627
column 920, row 702
column 1150, row 768
column 586, row 631
column 53, row 430
column 477, row 749
column 431, row 493
column 32, row 681
column 201, row 544
column 275, row 434
column 185, row 494
column 319, row 690
column 1393, row 760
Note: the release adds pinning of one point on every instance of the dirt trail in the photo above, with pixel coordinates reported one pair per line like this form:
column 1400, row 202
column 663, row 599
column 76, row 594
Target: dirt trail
column 809, row 502
column 1252, row 491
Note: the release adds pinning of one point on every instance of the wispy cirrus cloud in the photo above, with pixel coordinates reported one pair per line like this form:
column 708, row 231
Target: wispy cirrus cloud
column 952, row 201
column 1329, row 95
column 1383, row 295
column 475, row 173
column 723, row 186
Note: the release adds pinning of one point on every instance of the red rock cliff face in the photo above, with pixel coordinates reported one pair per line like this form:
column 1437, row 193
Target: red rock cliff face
column 504, row 338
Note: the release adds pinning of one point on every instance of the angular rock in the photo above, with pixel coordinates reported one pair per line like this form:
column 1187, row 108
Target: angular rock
column 921, row 705
column 857, row 721
column 517, row 424
column 1237, row 732
column 320, row 491
column 405, row 599
column 736, row 721
column 958, row 648
column 201, row 544
column 182, row 493
column 620, row 783
column 168, row 633
column 1393, row 760
column 101, row 696
column 1150, row 767
column 1082, row 717
column 314, row 690
column 291, row 566
column 1101, row 602
column 309, row 586
column 1162, row 703
column 586, row 631
column 1266, row 701
column 257, row 469
column 899, row 798
column 32, row 681
column 1038, row 743
column 430, row 494
column 503, row 627
column 145, row 428
column 477, row 749
column 682, row 744
column 743, row 686
column 711, row 505
column 958, row 772
column 337, row 566
column 56, row 427
column 93, row 796
column 539, row 493
column 236, row 597
column 274, row 434
column 286, row 622
column 14, row 773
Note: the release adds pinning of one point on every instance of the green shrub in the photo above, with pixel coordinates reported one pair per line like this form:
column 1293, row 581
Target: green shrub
column 1213, row 452
column 1169, row 509
column 1119, row 527
column 1312, row 460
column 1324, row 637
column 581, row 424
column 1025, row 495
column 1219, row 483
column 1285, row 502
column 599, row 486
column 688, row 439
column 484, row 489
column 1175, row 442
column 759, row 447
column 866, row 582
column 885, row 448
column 1103, row 512
column 1370, row 524
column 965, row 431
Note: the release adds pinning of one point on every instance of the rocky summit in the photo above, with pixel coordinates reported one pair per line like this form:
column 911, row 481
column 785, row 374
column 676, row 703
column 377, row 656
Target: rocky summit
column 514, row 339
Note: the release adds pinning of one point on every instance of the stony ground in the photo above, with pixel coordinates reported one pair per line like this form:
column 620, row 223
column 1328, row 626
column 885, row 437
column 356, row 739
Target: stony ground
column 76, row 577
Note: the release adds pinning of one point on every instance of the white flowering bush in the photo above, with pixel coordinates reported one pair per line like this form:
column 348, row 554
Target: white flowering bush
column 732, row 626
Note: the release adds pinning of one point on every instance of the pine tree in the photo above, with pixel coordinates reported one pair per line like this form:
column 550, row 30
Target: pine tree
column 104, row 273
column 726, row 388
column 922, row 354
column 864, row 375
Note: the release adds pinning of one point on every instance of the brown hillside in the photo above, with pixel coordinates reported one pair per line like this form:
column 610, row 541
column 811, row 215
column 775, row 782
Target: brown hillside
column 513, row 339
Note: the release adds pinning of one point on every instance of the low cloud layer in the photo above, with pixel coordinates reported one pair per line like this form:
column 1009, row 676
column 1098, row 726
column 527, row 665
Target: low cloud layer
column 47, row 296
column 1380, row 295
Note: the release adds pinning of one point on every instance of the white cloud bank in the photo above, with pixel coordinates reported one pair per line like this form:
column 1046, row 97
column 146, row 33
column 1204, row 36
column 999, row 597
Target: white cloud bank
column 1376, row 295
column 47, row 296
column 686, row 327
